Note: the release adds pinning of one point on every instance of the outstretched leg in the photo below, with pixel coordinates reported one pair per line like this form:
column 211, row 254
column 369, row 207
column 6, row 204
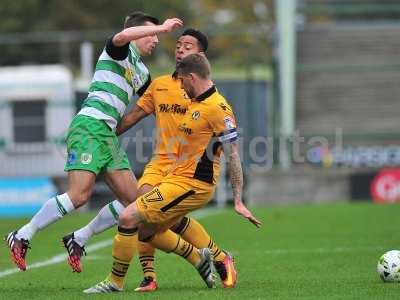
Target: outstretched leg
column 80, row 187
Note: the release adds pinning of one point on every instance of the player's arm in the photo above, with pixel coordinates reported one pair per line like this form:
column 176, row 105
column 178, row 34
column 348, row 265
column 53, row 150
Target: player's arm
column 133, row 33
column 130, row 119
column 231, row 153
column 143, row 107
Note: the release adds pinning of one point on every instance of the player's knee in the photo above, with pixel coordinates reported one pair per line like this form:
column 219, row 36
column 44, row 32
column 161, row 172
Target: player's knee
column 79, row 198
column 125, row 201
column 146, row 232
column 128, row 197
column 127, row 218
column 145, row 188
column 180, row 226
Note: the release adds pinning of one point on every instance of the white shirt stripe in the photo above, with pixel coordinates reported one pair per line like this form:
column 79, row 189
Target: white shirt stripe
column 111, row 100
column 119, row 81
column 94, row 113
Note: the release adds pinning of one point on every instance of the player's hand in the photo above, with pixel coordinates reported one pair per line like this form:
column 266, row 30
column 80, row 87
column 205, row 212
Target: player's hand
column 242, row 210
column 171, row 24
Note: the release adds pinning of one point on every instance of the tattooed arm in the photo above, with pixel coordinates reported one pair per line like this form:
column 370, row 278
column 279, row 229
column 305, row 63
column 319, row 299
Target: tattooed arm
column 236, row 177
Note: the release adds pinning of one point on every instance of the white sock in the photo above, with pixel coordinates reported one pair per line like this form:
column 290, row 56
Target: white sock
column 53, row 210
column 106, row 218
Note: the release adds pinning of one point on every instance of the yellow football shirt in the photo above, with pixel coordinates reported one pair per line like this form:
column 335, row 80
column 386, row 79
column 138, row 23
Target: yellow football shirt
column 208, row 122
column 166, row 100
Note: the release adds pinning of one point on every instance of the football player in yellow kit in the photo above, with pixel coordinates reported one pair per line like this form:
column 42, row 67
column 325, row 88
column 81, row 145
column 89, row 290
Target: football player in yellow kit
column 167, row 101
column 207, row 129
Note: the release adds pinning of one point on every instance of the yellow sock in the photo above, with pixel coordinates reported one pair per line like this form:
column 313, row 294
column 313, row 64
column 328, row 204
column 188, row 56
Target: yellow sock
column 124, row 247
column 193, row 232
column 169, row 241
column 146, row 258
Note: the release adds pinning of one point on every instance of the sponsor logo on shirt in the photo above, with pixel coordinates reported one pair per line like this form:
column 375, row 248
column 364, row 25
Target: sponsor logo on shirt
column 185, row 129
column 172, row 109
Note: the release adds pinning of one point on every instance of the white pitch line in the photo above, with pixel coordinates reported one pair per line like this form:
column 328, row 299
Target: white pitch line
column 96, row 246
column 325, row 250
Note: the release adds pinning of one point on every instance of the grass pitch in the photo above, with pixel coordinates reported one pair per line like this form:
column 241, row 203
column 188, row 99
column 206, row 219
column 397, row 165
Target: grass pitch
column 301, row 252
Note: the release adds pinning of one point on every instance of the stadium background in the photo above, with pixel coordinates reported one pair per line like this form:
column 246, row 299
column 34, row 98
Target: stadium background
column 314, row 84
column 314, row 90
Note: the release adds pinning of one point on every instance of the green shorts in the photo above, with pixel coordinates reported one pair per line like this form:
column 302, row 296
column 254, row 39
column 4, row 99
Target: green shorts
column 93, row 146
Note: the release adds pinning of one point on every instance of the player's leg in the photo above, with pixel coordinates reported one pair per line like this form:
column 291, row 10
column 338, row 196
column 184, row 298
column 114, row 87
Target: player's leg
column 146, row 251
column 106, row 218
column 79, row 190
column 193, row 232
column 156, row 203
column 166, row 204
column 119, row 178
column 201, row 259
column 108, row 214
column 123, row 183
column 124, row 247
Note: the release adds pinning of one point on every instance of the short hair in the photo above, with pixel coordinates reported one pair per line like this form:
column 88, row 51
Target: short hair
column 138, row 18
column 194, row 63
column 201, row 38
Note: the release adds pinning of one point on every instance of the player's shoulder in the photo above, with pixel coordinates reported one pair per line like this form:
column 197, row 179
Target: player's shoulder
column 167, row 78
column 165, row 83
column 219, row 104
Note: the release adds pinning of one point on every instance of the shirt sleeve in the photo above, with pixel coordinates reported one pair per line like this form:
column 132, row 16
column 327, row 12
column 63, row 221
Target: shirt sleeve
column 146, row 101
column 117, row 53
column 224, row 124
column 144, row 87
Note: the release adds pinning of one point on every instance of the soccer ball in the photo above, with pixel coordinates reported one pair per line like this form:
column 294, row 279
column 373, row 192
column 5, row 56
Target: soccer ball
column 389, row 266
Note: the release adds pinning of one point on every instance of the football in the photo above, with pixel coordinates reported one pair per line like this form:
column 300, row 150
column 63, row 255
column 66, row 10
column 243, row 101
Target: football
column 389, row 266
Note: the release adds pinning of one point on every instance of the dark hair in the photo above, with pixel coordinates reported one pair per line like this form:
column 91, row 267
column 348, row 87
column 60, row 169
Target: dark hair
column 194, row 63
column 138, row 18
column 199, row 36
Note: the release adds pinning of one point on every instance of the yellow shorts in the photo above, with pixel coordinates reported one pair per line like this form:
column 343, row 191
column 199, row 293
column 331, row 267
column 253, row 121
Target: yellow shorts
column 173, row 198
column 156, row 170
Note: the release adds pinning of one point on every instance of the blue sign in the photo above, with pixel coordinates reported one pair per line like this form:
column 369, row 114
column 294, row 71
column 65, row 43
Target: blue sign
column 24, row 196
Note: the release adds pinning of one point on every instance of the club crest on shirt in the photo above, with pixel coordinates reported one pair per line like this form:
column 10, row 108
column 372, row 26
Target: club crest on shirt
column 128, row 74
column 196, row 115
column 229, row 123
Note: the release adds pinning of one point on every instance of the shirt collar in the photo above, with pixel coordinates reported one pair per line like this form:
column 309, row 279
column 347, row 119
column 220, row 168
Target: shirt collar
column 135, row 50
column 206, row 94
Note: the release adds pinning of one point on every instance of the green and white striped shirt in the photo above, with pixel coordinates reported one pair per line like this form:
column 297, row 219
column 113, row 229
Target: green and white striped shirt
column 119, row 74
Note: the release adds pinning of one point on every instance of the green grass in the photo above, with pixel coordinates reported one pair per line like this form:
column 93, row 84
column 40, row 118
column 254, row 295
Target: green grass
column 302, row 252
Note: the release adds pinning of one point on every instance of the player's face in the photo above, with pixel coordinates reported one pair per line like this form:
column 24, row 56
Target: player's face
column 187, row 82
column 147, row 44
column 186, row 45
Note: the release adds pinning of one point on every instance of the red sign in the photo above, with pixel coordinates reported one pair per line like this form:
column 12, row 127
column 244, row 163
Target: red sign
column 385, row 187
